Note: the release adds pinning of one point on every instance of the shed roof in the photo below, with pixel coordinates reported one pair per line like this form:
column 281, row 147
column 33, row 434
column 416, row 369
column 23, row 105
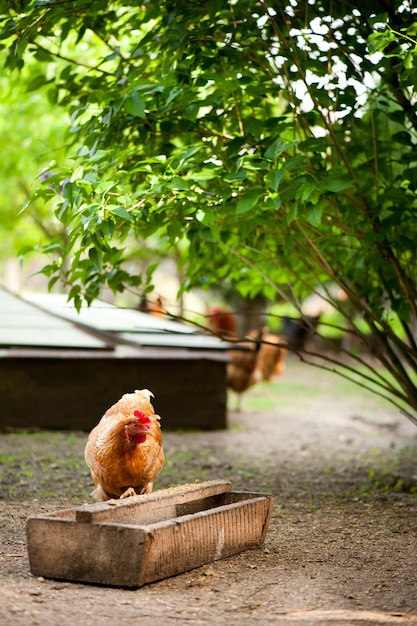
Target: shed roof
column 24, row 324
column 129, row 325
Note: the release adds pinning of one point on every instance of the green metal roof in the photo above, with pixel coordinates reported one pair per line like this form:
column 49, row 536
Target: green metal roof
column 23, row 324
column 129, row 325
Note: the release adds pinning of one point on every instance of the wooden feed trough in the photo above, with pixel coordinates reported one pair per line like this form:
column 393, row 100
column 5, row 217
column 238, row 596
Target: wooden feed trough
column 141, row 539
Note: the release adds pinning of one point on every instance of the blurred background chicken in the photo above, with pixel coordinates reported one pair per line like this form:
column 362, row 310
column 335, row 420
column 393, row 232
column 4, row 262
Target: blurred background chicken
column 271, row 358
column 222, row 322
column 242, row 366
column 257, row 357
column 156, row 307
column 124, row 451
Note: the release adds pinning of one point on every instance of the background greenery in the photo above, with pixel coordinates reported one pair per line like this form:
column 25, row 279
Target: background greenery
column 268, row 147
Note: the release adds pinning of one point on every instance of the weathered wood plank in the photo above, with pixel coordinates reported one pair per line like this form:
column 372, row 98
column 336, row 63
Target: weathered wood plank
column 187, row 542
column 143, row 509
column 109, row 555
column 189, row 392
column 238, row 496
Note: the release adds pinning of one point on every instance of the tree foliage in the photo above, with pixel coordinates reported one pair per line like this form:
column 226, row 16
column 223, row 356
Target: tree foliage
column 32, row 135
column 275, row 141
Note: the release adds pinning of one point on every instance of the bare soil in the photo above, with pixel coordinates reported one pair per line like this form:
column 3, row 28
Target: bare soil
column 341, row 547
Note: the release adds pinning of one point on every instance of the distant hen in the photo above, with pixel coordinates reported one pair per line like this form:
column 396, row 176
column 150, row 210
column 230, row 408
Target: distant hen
column 257, row 357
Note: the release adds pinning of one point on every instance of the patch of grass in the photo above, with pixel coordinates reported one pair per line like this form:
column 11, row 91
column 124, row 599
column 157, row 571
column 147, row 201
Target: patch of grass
column 7, row 459
column 43, row 464
column 386, row 476
column 297, row 394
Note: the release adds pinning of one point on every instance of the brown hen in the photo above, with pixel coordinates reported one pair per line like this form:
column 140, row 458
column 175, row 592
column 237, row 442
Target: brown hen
column 271, row 358
column 124, row 451
column 258, row 357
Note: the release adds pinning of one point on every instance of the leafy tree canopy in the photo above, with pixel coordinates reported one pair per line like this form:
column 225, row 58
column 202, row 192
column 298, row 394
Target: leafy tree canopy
column 275, row 141
column 32, row 134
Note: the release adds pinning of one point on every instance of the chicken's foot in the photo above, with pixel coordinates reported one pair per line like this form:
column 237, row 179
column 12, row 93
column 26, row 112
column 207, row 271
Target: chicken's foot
column 128, row 493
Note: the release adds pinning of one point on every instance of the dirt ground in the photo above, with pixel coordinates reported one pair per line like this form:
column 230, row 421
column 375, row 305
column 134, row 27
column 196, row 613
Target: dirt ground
column 341, row 547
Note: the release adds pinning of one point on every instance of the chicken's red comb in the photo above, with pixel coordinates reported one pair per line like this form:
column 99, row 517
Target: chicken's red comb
column 146, row 421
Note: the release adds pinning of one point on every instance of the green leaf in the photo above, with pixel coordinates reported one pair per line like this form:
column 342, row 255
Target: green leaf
column 402, row 137
column 241, row 174
column 337, row 184
column 314, row 215
column 292, row 213
column 308, row 192
column 178, row 183
column 273, row 179
column 52, row 281
column 205, row 174
column 412, row 30
column 206, row 217
column 105, row 186
column 207, row 235
column 120, row 212
column 43, row 56
column 135, row 105
column 188, row 153
column 107, row 227
column 254, row 126
column 96, row 257
column 37, row 82
column 247, row 202
column 77, row 173
column 377, row 42
column 277, row 147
